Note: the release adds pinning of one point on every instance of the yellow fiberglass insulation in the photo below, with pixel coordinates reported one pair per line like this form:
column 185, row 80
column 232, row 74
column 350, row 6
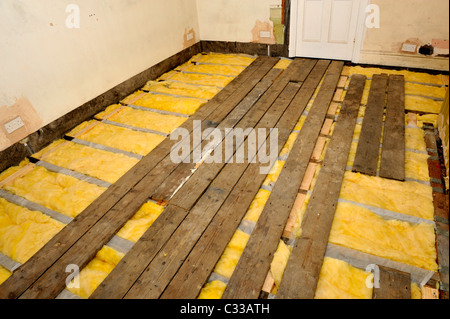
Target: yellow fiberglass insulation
column 257, row 205
column 427, row 118
column 230, row 257
column 415, row 139
column 100, row 164
column 416, row 293
column 118, row 137
column 214, row 69
column 212, row 290
column 409, row 75
column 274, row 173
column 4, row 274
column 278, row 264
column 95, row 272
column 416, row 166
column 300, row 123
column 200, row 79
column 283, row 64
column 140, row 222
column 148, row 120
column 410, row 198
column 340, row 280
column 169, row 103
column 422, row 104
column 289, row 144
column 220, row 58
column 425, row 90
column 61, row 193
column 23, row 232
column 300, row 212
column 358, row 228
column 182, row 89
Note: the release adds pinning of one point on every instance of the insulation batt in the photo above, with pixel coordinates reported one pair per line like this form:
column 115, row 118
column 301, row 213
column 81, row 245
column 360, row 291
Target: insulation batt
column 200, row 79
column 169, row 103
column 104, row 165
column 230, row 257
column 219, row 58
column 278, row 264
column 410, row 198
column 212, row 290
column 107, row 258
column 61, row 193
column 409, row 75
column 148, row 120
column 257, row 205
column 118, row 137
column 358, row 228
column 183, row 89
column 229, row 70
column 95, row 272
column 4, row 274
column 23, row 232
column 340, row 280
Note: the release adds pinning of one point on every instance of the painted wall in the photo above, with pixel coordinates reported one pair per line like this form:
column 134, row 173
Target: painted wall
column 236, row 20
column 418, row 22
column 47, row 69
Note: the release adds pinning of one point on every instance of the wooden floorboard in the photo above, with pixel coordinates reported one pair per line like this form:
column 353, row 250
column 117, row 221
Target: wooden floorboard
column 393, row 284
column 367, row 153
column 393, row 150
column 197, row 267
column 304, row 265
column 192, row 226
column 24, row 277
column 251, row 270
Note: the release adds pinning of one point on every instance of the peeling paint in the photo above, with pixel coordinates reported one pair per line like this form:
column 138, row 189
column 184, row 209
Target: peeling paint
column 32, row 122
column 266, row 26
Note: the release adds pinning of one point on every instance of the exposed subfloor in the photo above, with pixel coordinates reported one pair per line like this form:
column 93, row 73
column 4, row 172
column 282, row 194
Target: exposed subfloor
column 110, row 201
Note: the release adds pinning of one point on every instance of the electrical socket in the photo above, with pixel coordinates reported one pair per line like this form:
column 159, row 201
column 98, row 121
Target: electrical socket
column 189, row 36
column 14, row 125
column 264, row 34
column 409, row 47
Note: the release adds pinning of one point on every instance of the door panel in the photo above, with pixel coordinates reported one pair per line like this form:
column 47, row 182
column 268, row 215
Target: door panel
column 326, row 28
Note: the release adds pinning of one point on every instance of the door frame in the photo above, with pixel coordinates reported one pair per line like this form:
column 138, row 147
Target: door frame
column 359, row 36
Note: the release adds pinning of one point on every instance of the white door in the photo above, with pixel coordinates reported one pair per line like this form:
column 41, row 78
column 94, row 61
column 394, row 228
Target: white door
column 324, row 28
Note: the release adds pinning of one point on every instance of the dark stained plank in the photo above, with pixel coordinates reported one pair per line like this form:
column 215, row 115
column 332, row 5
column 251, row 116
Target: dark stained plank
column 394, row 284
column 367, row 153
column 393, row 149
column 197, row 267
column 115, row 285
column 137, row 180
column 303, row 268
column 251, row 270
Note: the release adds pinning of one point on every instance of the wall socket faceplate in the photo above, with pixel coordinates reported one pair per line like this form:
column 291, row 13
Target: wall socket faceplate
column 189, row 36
column 409, row 47
column 264, row 34
column 13, row 125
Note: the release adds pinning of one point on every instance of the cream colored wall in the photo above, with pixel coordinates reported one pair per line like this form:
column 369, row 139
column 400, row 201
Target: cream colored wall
column 416, row 21
column 234, row 20
column 48, row 69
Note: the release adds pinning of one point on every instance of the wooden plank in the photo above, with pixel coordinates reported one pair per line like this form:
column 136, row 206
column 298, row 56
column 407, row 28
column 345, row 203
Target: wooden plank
column 197, row 267
column 393, row 149
column 15, row 285
column 303, row 268
column 251, row 270
column 394, row 284
column 114, row 286
column 84, row 250
column 429, row 292
column 367, row 153
column 171, row 184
